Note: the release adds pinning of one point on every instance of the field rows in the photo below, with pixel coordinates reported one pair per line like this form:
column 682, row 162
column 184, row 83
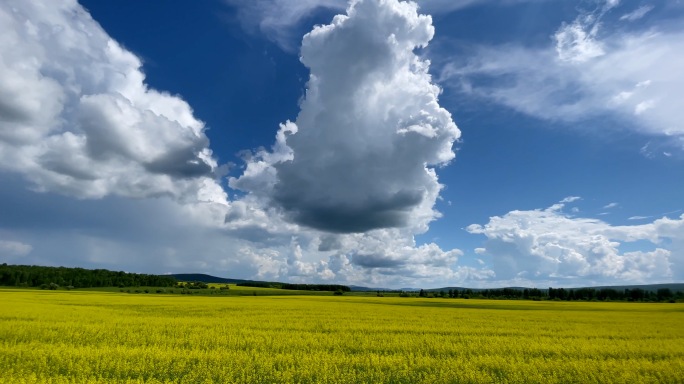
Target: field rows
column 76, row 337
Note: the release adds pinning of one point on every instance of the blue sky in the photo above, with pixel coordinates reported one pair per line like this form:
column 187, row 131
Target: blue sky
column 465, row 143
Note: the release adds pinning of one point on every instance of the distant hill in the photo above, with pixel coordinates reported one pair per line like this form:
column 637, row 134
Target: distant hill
column 205, row 278
column 446, row 289
column 674, row 287
column 357, row 288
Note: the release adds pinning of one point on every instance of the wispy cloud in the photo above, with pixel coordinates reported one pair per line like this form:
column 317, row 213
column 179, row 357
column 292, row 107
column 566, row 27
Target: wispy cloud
column 570, row 199
column 664, row 214
column 590, row 70
column 280, row 20
column 610, row 205
column 637, row 13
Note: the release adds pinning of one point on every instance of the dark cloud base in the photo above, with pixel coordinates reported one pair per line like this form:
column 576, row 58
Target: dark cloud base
column 342, row 218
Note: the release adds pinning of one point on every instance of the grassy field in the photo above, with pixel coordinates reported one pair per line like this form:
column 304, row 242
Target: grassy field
column 81, row 337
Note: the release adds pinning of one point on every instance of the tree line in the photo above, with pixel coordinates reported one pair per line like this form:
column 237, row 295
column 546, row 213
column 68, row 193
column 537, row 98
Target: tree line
column 37, row 276
column 559, row 294
column 296, row 287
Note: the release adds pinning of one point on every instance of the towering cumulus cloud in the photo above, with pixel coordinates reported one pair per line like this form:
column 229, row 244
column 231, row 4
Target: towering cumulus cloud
column 362, row 152
column 76, row 116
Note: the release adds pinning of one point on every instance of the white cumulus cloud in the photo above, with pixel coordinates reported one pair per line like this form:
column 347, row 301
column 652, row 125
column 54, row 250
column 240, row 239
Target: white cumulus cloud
column 548, row 245
column 78, row 121
column 76, row 116
column 351, row 181
column 363, row 150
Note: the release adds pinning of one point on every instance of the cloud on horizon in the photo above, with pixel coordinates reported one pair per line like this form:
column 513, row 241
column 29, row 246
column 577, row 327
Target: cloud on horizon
column 550, row 245
column 14, row 249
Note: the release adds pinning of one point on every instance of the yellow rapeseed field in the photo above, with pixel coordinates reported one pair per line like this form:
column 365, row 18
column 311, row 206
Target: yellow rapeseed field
column 102, row 337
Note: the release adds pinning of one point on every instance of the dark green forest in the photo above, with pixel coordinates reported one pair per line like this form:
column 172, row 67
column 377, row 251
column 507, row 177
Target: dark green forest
column 52, row 277
column 63, row 277
column 561, row 294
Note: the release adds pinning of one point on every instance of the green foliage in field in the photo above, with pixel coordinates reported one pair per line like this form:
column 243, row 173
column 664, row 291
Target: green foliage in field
column 215, row 289
column 82, row 337
column 296, row 287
